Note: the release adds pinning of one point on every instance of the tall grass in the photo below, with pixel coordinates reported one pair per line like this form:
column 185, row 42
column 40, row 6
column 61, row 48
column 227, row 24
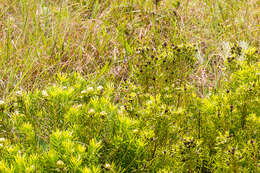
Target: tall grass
column 41, row 38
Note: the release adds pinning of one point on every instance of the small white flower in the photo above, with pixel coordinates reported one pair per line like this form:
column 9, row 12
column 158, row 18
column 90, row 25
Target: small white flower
column 99, row 88
column 2, row 140
column 149, row 102
column 90, row 89
column 2, row 102
column 83, row 92
column 60, row 163
column 44, row 93
column 107, row 166
column 91, row 111
column 135, row 130
column 1, row 145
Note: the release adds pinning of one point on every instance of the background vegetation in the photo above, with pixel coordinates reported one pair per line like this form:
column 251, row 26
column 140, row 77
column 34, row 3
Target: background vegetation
column 129, row 86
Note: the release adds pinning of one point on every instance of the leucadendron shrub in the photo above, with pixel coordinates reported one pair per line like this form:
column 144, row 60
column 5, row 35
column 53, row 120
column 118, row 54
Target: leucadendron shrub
column 217, row 132
column 71, row 126
column 163, row 125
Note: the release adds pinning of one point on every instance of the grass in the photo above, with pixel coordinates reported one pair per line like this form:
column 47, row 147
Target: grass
column 40, row 39
column 196, row 60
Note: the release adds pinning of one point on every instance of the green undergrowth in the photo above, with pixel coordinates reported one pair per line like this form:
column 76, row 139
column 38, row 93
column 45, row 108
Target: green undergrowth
column 158, row 122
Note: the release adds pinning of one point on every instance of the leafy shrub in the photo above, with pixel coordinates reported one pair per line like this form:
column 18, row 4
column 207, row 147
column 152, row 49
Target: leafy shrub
column 73, row 124
column 161, row 125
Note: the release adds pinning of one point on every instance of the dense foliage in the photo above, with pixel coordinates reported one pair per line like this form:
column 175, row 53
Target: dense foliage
column 161, row 120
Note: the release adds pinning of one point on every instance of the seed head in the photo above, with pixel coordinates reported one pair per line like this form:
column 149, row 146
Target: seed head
column 2, row 140
column 83, row 92
column 2, row 102
column 44, row 93
column 60, row 163
column 231, row 108
column 90, row 89
column 107, row 166
column 91, row 111
column 165, row 44
column 99, row 88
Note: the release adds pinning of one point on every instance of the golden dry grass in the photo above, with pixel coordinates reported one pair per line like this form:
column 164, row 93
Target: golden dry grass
column 39, row 40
